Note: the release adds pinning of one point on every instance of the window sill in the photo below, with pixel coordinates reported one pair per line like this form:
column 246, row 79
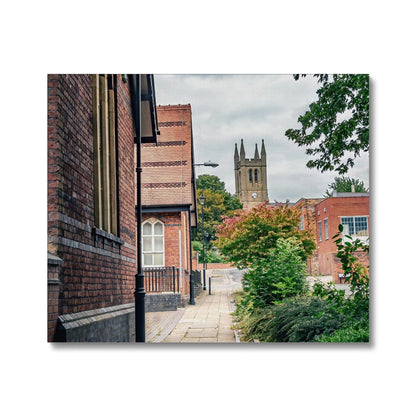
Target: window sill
column 97, row 232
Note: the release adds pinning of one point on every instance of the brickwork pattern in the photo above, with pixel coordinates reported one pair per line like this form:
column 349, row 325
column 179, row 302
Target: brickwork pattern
column 165, row 182
column 97, row 270
column 332, row 209
column 306, row 207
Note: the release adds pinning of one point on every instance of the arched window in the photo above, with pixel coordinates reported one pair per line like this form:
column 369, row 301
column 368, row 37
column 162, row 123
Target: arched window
column 256, row 175
column 153, row 243
column 250, row 175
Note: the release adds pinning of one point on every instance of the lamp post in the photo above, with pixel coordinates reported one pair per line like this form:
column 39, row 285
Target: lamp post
column 202, row 202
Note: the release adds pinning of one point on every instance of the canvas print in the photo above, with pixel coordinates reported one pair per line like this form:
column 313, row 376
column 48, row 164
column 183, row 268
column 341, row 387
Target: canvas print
column 208, row 208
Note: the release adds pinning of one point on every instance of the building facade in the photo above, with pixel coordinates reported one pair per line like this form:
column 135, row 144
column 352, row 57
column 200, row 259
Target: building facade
column 350, row 209
column 91, row 206
column 307, row 218
column 169, row 195
column 322, row 218
column 250, row 176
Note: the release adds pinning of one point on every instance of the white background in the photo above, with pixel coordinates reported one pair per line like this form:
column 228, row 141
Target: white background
column 206, row 37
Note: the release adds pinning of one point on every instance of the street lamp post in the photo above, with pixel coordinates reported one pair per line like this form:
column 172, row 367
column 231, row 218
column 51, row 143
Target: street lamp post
column 202, row 202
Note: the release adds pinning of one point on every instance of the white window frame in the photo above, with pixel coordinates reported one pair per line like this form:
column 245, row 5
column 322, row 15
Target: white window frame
column 363, row 238
column 152, row 237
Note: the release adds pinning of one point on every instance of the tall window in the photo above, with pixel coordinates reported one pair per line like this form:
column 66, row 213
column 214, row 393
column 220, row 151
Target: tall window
column 256, row 175
column 105, row 153
column 302, row 225
column 320, row 230
column 326, row 228
column 356, row 227
column 250, row 175
column 153, row 243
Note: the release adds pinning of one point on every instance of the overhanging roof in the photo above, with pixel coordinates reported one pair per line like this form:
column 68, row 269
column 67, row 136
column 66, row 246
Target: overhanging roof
column 144, row 106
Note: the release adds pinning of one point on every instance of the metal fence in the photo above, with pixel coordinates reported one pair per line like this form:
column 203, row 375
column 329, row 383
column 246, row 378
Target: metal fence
column 161, row 279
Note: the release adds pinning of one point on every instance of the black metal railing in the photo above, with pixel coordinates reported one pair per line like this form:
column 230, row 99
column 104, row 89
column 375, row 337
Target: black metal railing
column 161, row 279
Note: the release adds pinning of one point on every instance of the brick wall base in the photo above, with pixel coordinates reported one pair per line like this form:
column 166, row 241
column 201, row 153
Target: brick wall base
column 112, row 324
column 159, row 302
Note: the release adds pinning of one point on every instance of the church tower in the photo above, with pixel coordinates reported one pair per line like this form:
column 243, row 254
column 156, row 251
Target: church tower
column 250, row 176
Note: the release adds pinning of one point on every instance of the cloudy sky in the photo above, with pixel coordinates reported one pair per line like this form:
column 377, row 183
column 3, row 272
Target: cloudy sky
column 228, row 108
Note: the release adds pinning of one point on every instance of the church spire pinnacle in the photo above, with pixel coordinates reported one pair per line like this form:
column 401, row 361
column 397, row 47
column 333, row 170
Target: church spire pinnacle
column 263, row 151
column 256, row 153
column 242, row 151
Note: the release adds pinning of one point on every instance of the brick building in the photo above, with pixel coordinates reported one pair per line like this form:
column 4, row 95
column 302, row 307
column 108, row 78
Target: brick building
column 91, row 204
column 308, row 222
column 323, row 216
column 169, row 195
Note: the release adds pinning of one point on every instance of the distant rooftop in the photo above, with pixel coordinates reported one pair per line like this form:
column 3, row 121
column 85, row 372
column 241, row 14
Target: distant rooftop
column 336, row 194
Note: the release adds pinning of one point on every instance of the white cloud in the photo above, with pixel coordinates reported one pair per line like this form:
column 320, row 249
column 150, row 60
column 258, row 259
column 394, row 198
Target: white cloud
column 227, row 108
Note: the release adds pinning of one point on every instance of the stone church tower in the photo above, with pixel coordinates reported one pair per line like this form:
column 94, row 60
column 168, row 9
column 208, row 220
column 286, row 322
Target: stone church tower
column 250, row 176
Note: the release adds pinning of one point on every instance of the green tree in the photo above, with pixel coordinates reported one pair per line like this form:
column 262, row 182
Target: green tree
column 250, row 235
column 218, row 203
column 345, row 184
column 335, row 129
column 278, row 276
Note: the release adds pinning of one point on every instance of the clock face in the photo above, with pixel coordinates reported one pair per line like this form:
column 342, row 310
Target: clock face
column 254, row 195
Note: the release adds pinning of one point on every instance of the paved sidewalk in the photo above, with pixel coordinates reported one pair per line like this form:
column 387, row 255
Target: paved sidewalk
column 209, row 320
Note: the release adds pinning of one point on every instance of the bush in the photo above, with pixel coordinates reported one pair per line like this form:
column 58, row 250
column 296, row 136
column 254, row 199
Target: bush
column 251, row 234
column 298, row 319
column 278, row 276
column 352, row 333
column 273, row 307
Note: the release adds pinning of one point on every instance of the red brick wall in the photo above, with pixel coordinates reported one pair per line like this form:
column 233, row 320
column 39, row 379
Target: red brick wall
column 173, row 223
column 96, row 272
column 307, row 212
column 363, row 259
column 333, row 209
column 212, row 266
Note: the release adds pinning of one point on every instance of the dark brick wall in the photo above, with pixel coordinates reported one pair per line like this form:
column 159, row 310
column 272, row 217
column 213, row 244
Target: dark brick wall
column 97, row 269
column 54, row 264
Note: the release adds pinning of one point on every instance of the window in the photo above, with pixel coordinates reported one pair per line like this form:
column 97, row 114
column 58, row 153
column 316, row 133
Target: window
column 320, row 230
column 105, row 153
column 356, row 227
column 302, row 225
column 326, row 228
column 250, row 175
column 256, row 175
column 153, row 243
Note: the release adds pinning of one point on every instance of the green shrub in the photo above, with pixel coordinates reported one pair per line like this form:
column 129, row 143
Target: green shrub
column 298, row 319
column 351, row 333
column 278, row 276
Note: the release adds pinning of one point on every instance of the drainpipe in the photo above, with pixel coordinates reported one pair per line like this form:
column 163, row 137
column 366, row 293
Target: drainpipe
column 191, row 273
column 139, row 293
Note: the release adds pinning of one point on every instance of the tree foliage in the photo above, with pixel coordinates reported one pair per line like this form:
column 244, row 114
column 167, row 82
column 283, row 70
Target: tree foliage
column 329, row 315
column 250, row 235
column 345, row 184
column 335, row 129
column 355, row 308
column 218, row 203
column 278, row 276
